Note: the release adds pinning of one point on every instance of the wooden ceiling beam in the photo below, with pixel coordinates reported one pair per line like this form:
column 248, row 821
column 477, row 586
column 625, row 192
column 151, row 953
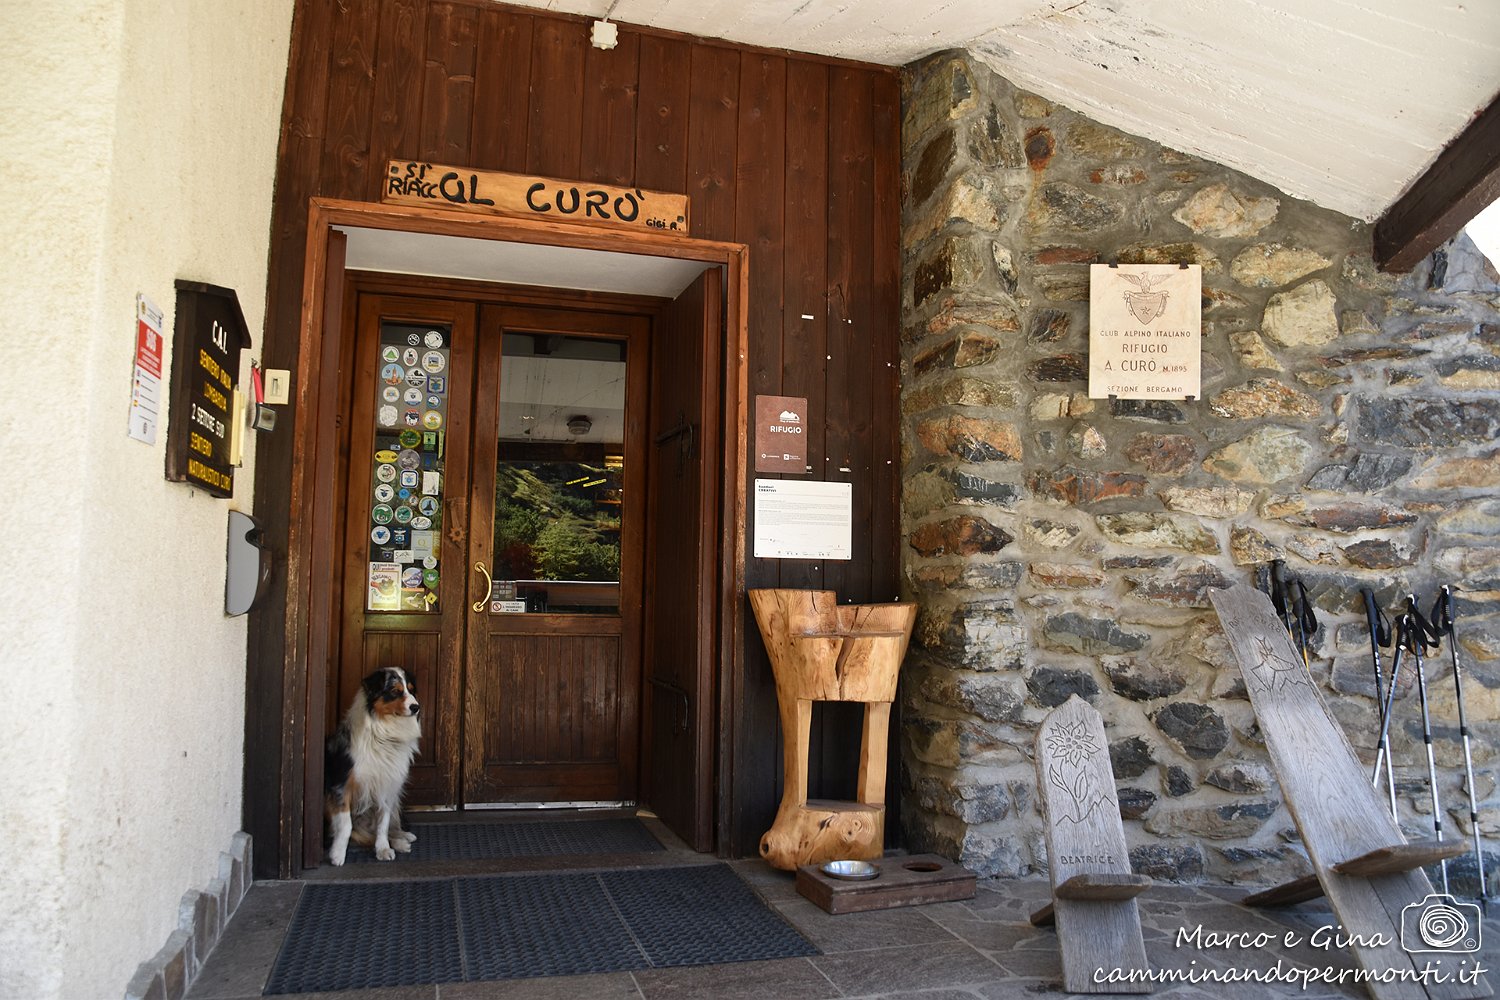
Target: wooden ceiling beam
column 1463, row 180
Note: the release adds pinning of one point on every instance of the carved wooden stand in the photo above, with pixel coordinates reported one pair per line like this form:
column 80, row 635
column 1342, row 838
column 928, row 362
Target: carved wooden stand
column 823, row 652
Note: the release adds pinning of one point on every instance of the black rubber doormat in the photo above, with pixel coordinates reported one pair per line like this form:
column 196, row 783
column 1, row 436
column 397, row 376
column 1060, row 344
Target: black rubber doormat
column 364, row 935
column 485, row 840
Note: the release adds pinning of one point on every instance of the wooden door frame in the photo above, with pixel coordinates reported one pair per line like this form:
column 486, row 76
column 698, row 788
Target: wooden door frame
column 308, row 620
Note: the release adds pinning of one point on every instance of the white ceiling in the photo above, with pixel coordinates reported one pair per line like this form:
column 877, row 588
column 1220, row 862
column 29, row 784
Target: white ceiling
column 1342, row 102
column 518, row 263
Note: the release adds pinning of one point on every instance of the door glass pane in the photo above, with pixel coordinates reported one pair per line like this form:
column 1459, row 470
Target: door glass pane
column 560, row 475
column 405, row 496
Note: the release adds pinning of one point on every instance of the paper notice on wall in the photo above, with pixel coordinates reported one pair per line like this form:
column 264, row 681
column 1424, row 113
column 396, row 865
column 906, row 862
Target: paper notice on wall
column 145, row 381
column 385, row 587
column 797, row 520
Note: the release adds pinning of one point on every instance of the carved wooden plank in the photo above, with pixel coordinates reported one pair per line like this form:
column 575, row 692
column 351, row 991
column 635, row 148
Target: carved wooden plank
column 1338, row 813
column 1298, row 890
column 1105, row 887
column 1402, row 857
column 1085, row 838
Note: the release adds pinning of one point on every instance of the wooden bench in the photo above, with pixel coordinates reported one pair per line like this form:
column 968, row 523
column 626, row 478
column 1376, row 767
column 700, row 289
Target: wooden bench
column 1360, row 859
column 822, row 651
column 1093, row 890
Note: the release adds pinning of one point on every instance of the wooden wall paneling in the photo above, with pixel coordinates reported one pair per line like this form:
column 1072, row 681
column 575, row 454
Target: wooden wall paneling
column 662, row 117
column 804, row 328
column 502, row 72
column 395, row 131
column 760, row 200
column 610, row 87
column 884, row 324
column 850, row 341
column 351, row 91
column 448, row 82
column 273, row 789
column 712, row 129
column 837, row 728
column 885, row 520
column 556, row 112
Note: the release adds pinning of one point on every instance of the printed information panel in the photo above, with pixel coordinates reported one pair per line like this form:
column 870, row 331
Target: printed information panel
column 209, row 335
column 796, row 520
column 1145, row 331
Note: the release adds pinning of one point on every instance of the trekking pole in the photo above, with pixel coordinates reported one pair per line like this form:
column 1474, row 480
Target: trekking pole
column 1281, row 600
column 1442, row 620
column 1380, row 635
column 1403, row 626
column 1307, row 619
column 1417, row 637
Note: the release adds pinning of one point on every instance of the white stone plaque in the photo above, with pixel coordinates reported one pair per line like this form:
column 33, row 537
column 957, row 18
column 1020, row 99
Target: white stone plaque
column 1145, row 331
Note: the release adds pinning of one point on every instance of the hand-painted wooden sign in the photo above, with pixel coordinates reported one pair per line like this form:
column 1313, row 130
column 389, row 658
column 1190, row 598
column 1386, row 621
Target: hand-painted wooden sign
column 1145, row 331
column 410, row 182
column 209, row 334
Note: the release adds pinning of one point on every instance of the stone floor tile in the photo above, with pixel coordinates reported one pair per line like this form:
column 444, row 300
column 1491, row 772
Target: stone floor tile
column 242, row 960
column 772, row 883
column 862, row 931
column 609, row 986
column 994, row 936
column 784, row 979
column 1030, row 963
column 917, row 967
column 1016, row 989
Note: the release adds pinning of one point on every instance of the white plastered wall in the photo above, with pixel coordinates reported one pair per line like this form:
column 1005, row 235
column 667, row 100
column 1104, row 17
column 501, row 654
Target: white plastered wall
column 139, row 141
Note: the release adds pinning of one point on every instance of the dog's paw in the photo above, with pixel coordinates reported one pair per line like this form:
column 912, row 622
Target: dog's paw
column 335, row 859
column 404, row 846
column 385, row 854
column 410, row 837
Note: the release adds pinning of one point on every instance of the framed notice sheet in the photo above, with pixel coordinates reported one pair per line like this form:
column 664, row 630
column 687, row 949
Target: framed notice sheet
column 1145, row 331
column 798, row 520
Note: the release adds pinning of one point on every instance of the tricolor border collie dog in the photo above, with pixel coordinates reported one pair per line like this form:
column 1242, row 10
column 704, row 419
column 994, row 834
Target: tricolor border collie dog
column 365, row 765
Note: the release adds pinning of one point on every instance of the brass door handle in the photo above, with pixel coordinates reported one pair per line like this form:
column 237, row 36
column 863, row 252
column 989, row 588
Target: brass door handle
column 489, row 585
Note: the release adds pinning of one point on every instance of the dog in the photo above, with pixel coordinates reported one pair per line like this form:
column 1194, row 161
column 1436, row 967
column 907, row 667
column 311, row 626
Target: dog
column 365, row 764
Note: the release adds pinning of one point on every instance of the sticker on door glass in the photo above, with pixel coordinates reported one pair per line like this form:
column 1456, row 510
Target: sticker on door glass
column 428, row 506
column 387, row 416
column 434, row 361
column 383, row 493
column 421, row 522
column 382, row 513
column 432, row 420
column 413, row 338
column 385, row 472
column 413, row 417
column 384, row 587
column 438, row 384
column 380, row 534
column 410, row 439
column 413, row 395
column 390, row 394
column 433, row 338
column 390, row 354
column 416, row 378
column 385, row 455
column 393, row 374
column 409, row 356
column 404, row 514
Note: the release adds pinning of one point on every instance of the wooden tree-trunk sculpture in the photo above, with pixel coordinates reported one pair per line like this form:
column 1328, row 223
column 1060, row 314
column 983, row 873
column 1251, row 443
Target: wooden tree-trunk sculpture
column 823, row 652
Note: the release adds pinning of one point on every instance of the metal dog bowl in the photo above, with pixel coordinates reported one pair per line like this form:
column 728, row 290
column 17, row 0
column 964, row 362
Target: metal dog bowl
column 852, row 871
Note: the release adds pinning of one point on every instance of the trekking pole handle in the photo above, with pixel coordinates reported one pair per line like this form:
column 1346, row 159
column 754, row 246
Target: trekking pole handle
column 1380, row 625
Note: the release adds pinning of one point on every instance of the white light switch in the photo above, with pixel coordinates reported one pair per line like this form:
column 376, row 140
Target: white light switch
column 278, row 386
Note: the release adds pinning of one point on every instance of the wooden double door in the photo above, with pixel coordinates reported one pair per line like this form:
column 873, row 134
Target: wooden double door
column 508, row 535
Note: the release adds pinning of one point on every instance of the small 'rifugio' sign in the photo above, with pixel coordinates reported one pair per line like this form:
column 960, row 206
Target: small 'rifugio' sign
column 547, row 199
column 781, row 434
column 207, row 338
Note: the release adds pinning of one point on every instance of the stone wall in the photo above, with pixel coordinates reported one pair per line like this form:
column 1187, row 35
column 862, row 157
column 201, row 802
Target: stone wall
column 1059, row 544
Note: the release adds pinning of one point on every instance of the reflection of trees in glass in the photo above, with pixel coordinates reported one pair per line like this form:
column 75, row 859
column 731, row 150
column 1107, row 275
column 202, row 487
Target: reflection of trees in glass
column 550, row 525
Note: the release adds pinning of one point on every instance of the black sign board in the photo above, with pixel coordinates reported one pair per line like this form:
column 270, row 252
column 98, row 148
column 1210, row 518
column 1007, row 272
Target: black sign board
column 207, row 339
